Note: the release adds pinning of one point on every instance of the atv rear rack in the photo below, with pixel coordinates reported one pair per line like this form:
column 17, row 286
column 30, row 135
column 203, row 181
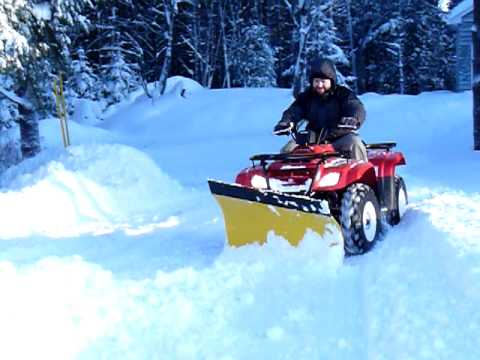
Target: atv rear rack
column 388, row 145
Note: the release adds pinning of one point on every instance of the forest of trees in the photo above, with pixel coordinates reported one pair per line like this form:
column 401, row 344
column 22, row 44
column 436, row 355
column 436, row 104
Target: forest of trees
column 106, row 49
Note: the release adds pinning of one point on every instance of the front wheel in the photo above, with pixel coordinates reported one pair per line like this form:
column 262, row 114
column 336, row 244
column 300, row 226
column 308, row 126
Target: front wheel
column 360, row 219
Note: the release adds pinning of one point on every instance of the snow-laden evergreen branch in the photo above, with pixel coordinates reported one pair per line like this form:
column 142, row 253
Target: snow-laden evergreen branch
column 16, row 99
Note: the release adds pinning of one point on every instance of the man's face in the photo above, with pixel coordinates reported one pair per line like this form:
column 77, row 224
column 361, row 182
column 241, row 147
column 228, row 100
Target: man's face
column 321, row 86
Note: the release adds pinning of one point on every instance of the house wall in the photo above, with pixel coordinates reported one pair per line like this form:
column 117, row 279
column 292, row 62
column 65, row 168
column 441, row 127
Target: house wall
column 464, row 53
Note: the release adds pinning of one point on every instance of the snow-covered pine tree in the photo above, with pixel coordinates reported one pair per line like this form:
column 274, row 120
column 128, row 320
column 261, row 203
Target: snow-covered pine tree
column 8, row 108
column 254, row 59
column 323, row 39
column 354, row 27
column 199, row 41
column 383, row 40
column 313, row 35
column 428, row 46
column 400, row 33
column 146, row 30
column 17, row 52
column 277, row 18
column 344, row 23
column 119, row 76
column 83, row 81
column 300, row 14
column 35, row 47
column 9, row 149
column 242, row 31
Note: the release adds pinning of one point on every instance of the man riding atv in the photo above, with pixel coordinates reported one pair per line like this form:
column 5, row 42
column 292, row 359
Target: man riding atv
column 333, row 112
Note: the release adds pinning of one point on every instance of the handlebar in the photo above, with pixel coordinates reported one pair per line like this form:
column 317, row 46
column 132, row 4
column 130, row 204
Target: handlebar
column 297, row 134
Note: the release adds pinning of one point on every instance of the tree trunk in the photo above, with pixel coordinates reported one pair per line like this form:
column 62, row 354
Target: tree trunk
column 352, row 46
column 169, row 9
column 298, row 74
column 166, row 67
column 28, row 123
column 29, row 133
column 476, row 75
column 226, row 60
column 361, row 70
column 401, row 75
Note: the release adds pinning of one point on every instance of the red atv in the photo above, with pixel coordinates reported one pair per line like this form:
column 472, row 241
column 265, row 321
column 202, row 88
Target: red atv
column 309, row 187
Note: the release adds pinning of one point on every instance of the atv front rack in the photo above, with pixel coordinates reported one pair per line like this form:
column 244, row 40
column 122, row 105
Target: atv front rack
column 292, row 157
column 265, row 158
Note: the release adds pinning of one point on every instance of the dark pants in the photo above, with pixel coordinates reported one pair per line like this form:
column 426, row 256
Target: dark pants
column 351, row 144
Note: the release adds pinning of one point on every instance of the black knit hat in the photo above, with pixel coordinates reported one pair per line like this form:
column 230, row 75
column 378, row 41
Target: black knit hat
column 323, row 69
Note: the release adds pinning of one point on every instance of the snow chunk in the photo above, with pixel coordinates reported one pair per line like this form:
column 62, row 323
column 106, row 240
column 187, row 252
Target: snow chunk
column 457, row 214
column 276, row 333
column 322, row 253
column 42, row 11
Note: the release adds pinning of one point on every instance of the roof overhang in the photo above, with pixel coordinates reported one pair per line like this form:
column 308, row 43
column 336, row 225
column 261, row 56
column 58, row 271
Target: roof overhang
column 458, row 12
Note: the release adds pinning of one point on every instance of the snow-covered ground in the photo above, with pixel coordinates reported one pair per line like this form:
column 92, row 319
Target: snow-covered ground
column 114, row 249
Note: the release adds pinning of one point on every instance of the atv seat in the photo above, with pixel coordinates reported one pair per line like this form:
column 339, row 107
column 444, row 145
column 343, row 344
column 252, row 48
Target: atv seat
column 388, row 145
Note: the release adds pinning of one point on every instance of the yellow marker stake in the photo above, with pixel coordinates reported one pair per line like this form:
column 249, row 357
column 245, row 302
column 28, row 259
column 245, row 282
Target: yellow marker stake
column 61, row 110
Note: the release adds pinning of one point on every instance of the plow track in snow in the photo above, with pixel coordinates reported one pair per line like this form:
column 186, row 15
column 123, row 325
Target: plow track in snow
column 426, row 269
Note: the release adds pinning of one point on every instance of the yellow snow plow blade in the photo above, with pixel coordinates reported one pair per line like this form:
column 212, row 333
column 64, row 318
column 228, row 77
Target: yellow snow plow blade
column 250, row 215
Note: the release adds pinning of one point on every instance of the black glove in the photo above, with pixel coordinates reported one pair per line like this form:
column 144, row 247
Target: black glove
column 283, row 128
column 349, row 122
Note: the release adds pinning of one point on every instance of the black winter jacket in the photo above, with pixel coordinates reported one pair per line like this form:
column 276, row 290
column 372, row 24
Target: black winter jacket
column 325, row 112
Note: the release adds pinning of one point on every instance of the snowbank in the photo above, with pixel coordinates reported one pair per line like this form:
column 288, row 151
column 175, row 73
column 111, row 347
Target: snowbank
column 87, row 189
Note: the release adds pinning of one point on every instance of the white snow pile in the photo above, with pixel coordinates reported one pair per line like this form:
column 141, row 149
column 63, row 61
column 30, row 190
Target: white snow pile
column 81, row 133
column 327, row 251
column 87, row 111
column 455, row 213
column 180, row 85
column 87, row 189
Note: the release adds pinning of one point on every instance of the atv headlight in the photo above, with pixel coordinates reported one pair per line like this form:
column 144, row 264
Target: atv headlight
column 331, row 179
column 258, row 182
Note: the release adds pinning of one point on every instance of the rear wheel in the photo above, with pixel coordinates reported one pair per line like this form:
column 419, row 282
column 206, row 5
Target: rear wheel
column 401, row 202
column 360, row 219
